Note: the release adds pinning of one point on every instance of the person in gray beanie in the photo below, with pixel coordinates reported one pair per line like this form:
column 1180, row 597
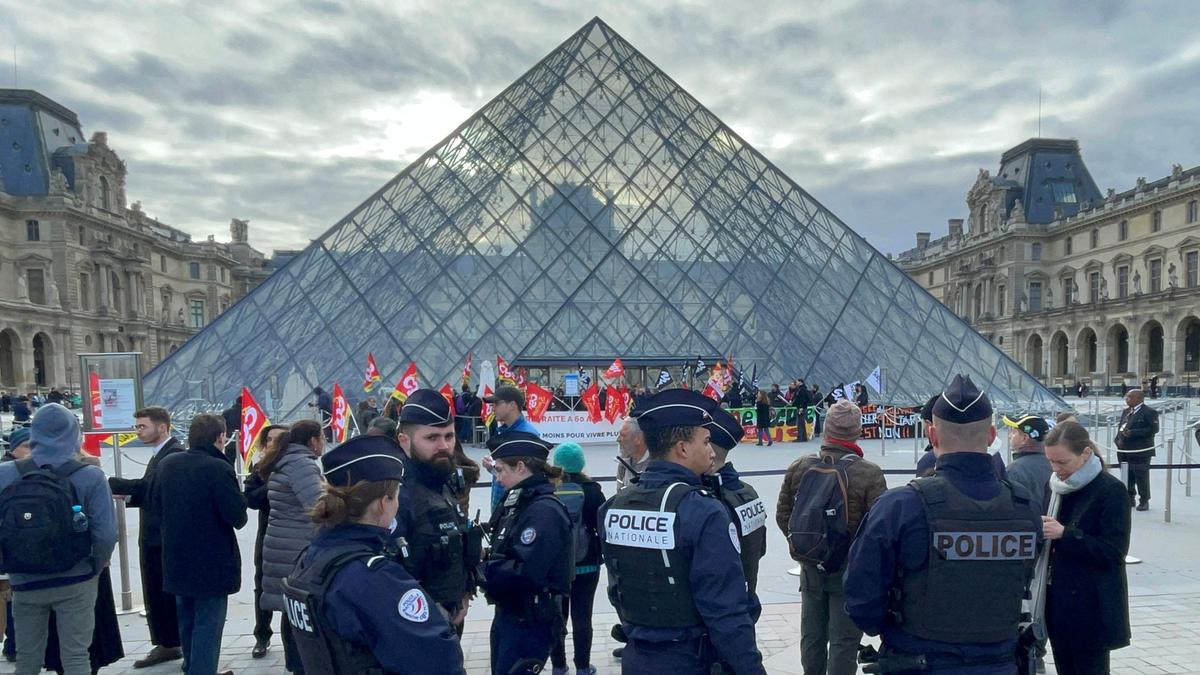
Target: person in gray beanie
column 71, row 594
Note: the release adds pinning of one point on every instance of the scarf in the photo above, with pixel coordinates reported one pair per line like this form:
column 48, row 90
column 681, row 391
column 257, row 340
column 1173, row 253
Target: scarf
column 852, row 447
column 1078, row 480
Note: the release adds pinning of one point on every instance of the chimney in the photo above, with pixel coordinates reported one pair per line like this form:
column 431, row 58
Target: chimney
column 956, row 227
column 100, row 138
column 922, row 239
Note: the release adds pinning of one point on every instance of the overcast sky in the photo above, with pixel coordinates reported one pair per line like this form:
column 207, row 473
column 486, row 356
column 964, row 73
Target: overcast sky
column 290, row 113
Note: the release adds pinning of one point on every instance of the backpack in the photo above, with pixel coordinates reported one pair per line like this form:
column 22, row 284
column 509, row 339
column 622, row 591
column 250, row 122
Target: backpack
column 819, row 528
column 571, row 496
column 37, row 523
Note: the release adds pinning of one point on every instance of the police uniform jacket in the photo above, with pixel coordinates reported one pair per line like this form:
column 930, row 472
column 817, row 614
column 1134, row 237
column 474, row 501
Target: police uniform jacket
column 431, row 521
column 535, row 557
column 1137, row 429
column 381, row 608
column 895, row 538
column 705, row 535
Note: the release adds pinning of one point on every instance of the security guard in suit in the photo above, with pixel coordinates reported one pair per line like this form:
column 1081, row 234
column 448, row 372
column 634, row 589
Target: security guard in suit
column 439, row 546
column 352, row 609
column 746, row 509
column 940, row 566
column 529, row 569
column 673, row 554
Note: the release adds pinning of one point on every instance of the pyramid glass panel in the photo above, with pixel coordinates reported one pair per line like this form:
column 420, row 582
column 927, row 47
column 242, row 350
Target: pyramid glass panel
column 592, row 210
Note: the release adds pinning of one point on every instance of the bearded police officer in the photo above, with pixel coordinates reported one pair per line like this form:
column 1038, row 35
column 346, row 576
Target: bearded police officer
column 439, row 548
column 351, row 608
column 939, row 567
column 672, row 552
column 746, row 509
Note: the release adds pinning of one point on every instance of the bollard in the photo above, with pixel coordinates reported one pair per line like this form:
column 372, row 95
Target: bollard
column 1170, row 477
column 1187, row 459
column 1108, row 448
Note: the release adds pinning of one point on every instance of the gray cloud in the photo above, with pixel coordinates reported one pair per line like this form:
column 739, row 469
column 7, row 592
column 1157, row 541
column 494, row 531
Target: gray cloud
column 292, row 113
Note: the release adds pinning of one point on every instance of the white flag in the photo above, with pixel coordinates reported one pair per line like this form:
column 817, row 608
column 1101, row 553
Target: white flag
column 875, row 379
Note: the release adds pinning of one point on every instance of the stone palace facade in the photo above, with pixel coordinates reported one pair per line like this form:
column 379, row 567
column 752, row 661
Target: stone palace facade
column 83, row 271
column 1075, row 285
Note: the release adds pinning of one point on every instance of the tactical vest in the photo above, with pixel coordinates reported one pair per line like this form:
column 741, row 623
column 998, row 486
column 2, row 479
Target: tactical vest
column 503, row 527
column 321, row 649
column 435, row 543
column 749, row 514
column 649, row 572
column 981, row 557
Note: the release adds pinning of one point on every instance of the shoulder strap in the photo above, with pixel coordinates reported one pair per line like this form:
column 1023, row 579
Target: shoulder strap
column 26, row 466
column 931, row 489
column 67, row 468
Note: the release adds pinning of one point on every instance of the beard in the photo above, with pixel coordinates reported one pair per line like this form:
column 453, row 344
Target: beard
column 442, row 462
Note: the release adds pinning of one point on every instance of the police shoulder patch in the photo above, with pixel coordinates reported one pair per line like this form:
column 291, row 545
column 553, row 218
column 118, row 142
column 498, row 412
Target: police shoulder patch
column 414, row 606
column 528, row 535
column 733, row 536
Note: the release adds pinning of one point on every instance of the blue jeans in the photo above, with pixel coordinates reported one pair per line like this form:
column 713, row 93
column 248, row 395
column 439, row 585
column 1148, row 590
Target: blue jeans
column 764, row 435
column 201, row 622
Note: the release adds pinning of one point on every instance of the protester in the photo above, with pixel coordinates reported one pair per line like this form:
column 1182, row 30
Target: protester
column 368, row 615
column 464, row 422
column 153, row 427
column 382, row 426
column 578, row 490
column 202, row 505
column 762, row 418
column 860, row 395
column 802, row 399
column 53, row 575
column 293, row 476
column 1135, row 445
column 1029, row 467
column 1087, row 597
column 366, row 411
column 256, row 490
column 828, row 638
column 324, row 406
column 21, row 411
column 631, row 446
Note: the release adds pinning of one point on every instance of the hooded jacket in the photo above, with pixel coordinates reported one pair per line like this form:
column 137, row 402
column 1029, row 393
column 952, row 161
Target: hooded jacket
column 55, row 439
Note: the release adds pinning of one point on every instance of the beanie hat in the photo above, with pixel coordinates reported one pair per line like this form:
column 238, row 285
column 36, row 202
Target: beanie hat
column 18, row 436
column 54, row 434
column 843, row 421
column 569, row 457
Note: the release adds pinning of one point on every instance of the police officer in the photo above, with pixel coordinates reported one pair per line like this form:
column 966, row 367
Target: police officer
column 672, row 552
column 352, row 609
column 529, row 568
column 940, row 566
column 440, row 548
column 746, row 509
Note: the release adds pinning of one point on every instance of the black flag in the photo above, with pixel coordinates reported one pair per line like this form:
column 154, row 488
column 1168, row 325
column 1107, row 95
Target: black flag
column 584, row 378
column 700, row 367
column 664, row 378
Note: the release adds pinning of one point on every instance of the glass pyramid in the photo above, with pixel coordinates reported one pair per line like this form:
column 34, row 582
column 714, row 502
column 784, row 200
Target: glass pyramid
column 593, row 209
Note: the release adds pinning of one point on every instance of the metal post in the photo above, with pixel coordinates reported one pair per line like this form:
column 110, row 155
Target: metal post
column 882, row 418
column 1108, row 447
column 1187, row 458
column 1170, row 477
column 122, row 544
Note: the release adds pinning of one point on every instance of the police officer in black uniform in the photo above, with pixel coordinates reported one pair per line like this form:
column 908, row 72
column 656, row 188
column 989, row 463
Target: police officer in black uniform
column 530, row 567
column 672, row 552
column 746, row 509
column 437, row 544
column 940, row 566
column 352, row 609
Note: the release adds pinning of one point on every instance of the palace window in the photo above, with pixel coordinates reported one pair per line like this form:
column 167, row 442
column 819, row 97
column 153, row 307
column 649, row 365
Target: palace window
column 1193, row 211
column 1068, row 245
column 36, row 279
column 197, row 313
column 194, row 270
column 1094, row 287
column 1068, row 292
column 1035, row 296
column 105, row 197
column 1190, row 272
column 1000, row 301
column 1064, row 192
column 82, row 236
column 1095, row 238
column 1035, row 251
column 33, row 231
column 930, row 279
column 1156, row 275
column 1156, row 221
column 162, row 263
column 1123, row 230
column 1123, row 281
column 85, row 292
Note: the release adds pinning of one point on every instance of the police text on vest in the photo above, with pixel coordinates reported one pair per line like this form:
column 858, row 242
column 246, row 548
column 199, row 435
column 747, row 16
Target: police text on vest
column 985, row 545
column 640, row 529
column 753, row 515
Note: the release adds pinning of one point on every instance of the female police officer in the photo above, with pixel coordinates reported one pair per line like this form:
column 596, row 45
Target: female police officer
column 529, row 568
column 352, row 609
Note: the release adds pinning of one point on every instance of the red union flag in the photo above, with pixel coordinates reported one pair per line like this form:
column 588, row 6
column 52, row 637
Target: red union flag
column 253, row 421
column 489, row 410
column 537, row 401
column 371, row 378
column 466, row 375
column 503, row 372
column 626, row 399
column 408, row 383
column 612, row 404
column 616, row 370
column 97, row 409
column 341, row 414
column 91, row 443
column 447, row 393
column 591, row 401
column 713, row 388
column 521, row 377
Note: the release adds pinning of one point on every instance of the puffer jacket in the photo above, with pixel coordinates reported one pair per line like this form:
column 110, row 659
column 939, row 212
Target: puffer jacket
column 293, row 488
column 866, row 484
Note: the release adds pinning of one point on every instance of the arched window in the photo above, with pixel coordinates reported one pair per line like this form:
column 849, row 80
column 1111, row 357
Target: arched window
column 105, row 197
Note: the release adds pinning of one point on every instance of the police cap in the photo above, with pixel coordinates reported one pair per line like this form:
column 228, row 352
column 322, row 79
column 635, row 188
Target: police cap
column 363, row 458
column 927, row 409
column 518, row 444
column 962, row 402
column 1034, row 426
column 426, row 407
column 727, row 430
column 674, row 408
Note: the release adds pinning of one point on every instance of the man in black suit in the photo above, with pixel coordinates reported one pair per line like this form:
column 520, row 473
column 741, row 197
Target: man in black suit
column 1135, row 445
column 153, row 426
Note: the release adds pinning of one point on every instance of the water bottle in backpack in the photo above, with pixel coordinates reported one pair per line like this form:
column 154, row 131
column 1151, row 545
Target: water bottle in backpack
column 79, row 519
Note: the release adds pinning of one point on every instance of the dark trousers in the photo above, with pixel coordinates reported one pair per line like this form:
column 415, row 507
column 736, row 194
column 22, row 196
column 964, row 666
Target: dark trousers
column 291, row 651
column 10, row 632
column 676, row 658
column 160, row 606
column 518, row 640
column 201, row 624
column 1138, row 481
column 262, row 619
column 1082, row 662
column 579, row 607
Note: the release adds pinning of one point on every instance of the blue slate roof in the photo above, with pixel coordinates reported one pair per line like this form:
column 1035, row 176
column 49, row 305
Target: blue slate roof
column 1049, row 177
column 32, row 128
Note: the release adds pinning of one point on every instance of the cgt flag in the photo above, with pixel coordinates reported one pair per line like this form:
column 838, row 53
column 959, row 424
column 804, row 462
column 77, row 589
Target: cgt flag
column 466, row 374
column 591, row 401
column 371, row 377
column 488, row 412
column 537, row 401
column 253, row 421
column 664, row 378
column 612, row 404
column 503, row 372
column 615, row 371
column 341, row 413
column 408, row 383
column 447, row 393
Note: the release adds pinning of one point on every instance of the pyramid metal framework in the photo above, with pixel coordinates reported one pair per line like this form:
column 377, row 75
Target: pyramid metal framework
column 593, row 209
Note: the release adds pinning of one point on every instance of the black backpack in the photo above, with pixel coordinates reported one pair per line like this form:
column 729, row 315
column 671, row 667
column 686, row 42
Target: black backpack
column 571, row 495
column 819, row 528
column 37, row 523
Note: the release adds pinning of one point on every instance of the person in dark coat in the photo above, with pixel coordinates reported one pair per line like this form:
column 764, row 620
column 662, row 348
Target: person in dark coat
column 1087, row 598
column 255, row 490
column 762, row 418
column 324, row 405
column 802, row 400
column 21, row 411
column 1135, row 445
column 578, row 606
column 202, row 565
column 153, row 427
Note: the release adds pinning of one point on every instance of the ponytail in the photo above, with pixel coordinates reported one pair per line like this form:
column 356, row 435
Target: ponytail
column 536, row 466
column 339, row 505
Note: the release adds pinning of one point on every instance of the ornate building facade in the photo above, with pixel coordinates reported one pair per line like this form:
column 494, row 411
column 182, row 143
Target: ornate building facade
column 1075, row 285
column 83, row 271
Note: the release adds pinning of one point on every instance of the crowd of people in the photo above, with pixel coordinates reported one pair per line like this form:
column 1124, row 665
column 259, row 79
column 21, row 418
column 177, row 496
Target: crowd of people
column 370, row 556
